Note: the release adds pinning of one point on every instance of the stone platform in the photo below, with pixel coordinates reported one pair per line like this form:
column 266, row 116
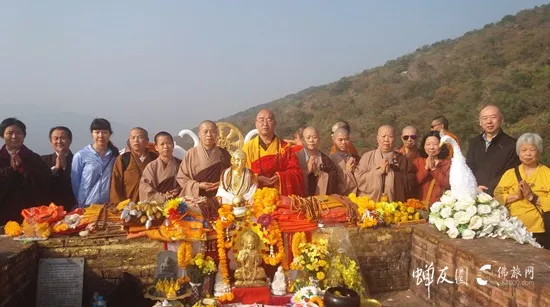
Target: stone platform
column 393, row 261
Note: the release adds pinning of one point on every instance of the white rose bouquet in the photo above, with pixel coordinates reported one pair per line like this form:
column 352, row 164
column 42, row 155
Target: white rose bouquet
column 481, row 217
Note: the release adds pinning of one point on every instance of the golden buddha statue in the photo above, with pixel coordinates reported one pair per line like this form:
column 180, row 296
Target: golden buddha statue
column 249, row 272
column 237, row 183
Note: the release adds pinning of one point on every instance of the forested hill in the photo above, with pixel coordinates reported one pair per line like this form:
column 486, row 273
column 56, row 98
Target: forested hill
column 506, row 63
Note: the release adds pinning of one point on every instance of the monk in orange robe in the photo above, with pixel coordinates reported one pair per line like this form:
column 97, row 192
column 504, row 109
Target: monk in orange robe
column 272, row 159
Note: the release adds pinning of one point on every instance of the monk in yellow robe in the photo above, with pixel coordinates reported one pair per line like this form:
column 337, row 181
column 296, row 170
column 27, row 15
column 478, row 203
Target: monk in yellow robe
column 158, row 182
column 272, row 159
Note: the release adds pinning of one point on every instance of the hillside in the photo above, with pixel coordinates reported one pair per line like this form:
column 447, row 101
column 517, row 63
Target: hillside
column 506, row 63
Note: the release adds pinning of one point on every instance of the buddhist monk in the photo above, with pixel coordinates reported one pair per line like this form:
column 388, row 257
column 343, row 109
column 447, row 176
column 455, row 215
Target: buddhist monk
column 199, row 173
column 158, row 182
column 384, row 171
column 344, row 161
column 129, row 167
column 343, row 124
column 320, row 174
column 272, row 159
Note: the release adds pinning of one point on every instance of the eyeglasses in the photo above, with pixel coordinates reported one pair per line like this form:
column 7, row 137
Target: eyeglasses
column 406, row 137
column 433, row 126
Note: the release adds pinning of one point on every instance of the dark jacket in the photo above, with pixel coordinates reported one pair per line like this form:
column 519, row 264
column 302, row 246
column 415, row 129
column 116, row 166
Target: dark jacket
column 60, row 182
column 489, row 165
column 28, row 186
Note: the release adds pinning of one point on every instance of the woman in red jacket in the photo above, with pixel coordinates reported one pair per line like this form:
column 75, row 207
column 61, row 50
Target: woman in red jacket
column 432, row 169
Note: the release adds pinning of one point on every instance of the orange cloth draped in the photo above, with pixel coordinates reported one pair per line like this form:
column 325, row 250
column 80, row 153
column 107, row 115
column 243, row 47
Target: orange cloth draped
column 351, row 149
column 278, row 159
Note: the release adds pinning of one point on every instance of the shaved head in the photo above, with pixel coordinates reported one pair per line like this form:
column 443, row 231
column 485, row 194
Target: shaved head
column 340, row 131
column 265, row 123
column 266, row 113
column 208, row 134
column 311, row 138
column 208, row 123
column 310, row 129
column 408, row 130
column 386, row 128
column 386, row 138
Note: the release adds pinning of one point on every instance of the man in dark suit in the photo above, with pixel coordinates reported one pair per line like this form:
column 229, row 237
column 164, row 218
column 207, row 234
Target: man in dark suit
column 59, row 163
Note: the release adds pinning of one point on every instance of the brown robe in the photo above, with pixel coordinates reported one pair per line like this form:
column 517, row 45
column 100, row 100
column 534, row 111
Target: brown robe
column 396, row 184
column 159, row 178
column 198, row 166
column 324, row 183
column 125, row 184
column 345, row 181
column 61, row 191
column 28, row 186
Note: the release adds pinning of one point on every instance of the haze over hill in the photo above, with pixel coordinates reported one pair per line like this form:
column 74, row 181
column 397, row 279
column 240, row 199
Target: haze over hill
column 506, row 63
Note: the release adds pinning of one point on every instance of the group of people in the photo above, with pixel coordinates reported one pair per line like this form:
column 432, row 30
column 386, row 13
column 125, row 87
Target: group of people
column 417, row 168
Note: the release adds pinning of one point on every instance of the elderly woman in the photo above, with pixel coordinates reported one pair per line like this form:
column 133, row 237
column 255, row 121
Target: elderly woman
column 432, row 168
column 24, row 177
column 92, row 166
column 529, row 195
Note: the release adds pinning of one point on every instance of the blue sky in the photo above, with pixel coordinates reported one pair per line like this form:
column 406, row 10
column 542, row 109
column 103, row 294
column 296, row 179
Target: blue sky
column 170, row 64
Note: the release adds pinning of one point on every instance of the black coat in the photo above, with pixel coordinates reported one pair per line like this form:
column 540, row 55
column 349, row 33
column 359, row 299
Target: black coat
column 489, row 164
column 60, row 182
column 28, row 186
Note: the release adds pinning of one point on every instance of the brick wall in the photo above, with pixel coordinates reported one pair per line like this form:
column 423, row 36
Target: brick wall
column 384, row 257
column 106, row 259
column 18, row 270
column 504, row 287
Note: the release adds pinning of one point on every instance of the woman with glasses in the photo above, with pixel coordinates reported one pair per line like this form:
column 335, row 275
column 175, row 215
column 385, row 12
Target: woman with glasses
column 432, row 168
column 24, row 177
column 93, row 165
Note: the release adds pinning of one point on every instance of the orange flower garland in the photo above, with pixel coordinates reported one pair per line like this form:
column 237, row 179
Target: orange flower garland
column 317, row 301
column 265, row 201
column 184, row 254
column 223, row 222
column 273, row 236
column 228, row 297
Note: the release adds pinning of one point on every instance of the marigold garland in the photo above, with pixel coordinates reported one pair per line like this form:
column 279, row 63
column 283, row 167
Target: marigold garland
column 265, row 201
column 297, row 239
column 317, row 301
column 184, row 254
column 273, row 236
column 228, row 297
column 224, row 221
column 13, row 229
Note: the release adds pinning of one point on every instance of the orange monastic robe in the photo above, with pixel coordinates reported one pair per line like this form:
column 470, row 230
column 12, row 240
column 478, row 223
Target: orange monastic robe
column 278, row 159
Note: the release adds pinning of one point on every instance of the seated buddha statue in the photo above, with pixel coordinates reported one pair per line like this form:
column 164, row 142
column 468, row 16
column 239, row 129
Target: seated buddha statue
column 237, row 183
column 249, row 272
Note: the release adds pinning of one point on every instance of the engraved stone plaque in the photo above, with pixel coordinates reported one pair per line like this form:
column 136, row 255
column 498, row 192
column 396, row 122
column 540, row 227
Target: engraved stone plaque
column 60, row 282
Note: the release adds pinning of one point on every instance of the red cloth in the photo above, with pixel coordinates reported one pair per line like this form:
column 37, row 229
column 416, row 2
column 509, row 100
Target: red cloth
column 260, row 295
column 424, row 178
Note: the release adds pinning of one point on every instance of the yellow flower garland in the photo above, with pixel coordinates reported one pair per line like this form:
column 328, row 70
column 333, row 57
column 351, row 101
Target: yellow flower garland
column 265, row 201
column 184, row 254
column 297, row 239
